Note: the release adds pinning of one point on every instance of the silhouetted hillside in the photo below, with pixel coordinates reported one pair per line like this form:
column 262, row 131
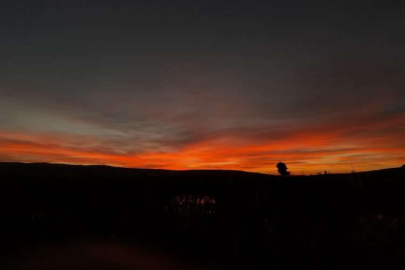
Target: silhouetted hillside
column 216, row 219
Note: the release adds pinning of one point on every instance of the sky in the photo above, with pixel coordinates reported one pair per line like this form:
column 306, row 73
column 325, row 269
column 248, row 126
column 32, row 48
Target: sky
column 240, row 85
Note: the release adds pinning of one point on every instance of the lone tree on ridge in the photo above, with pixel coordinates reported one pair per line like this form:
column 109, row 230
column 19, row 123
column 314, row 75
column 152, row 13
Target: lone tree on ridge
column 282, row 169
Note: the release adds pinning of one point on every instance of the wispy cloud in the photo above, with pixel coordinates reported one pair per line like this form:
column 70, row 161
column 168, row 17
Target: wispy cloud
column 361, row 142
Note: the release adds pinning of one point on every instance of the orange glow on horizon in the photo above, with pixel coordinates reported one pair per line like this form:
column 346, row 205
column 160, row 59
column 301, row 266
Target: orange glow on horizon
column 305, row 153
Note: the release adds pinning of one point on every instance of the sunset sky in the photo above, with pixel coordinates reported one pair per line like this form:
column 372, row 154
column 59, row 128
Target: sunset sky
column 319, row 85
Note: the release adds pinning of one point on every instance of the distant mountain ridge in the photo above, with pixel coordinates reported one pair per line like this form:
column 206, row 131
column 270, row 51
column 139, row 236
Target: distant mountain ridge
column 143, row 171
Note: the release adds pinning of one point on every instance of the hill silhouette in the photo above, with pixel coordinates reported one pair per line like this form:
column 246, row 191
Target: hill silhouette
column 213, row 219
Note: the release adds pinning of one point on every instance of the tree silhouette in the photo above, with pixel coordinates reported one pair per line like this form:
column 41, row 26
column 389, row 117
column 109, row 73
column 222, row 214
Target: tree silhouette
column 282, row 169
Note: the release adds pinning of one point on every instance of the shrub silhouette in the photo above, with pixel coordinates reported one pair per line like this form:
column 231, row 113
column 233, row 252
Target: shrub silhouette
column 282, row 169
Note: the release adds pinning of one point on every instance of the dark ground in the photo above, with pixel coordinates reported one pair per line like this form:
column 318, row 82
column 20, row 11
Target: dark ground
column 97, row 217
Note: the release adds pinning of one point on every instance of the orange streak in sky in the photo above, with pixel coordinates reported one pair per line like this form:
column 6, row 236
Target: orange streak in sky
column 259, row 157
column 309, row 150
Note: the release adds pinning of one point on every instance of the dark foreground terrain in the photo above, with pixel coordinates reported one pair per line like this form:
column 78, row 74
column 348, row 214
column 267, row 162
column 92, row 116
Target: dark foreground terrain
column 97, row 217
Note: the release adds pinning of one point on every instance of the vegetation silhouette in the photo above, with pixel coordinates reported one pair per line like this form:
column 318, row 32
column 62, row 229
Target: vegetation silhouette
column 205, row 219
column 282, row 169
